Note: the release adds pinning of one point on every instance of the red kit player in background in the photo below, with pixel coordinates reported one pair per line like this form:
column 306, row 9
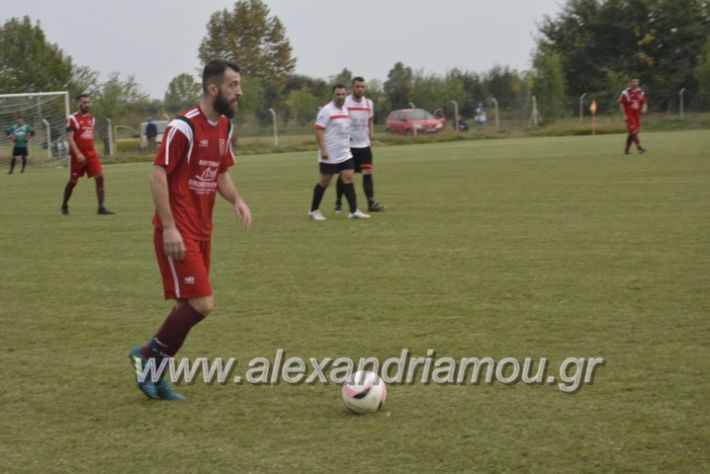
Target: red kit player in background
column 190, row 168
column 84, row 159
column 633, row 103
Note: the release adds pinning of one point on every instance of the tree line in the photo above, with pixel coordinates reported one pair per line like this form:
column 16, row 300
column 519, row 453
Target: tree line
column 591, row 46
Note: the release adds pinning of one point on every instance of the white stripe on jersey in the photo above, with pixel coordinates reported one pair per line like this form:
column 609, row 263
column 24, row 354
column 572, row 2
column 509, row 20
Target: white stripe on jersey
column 73, row 119
column 229, row 144
column 175, row 126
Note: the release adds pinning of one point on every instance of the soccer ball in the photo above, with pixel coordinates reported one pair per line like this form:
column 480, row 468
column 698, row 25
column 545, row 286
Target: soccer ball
column 364, row 392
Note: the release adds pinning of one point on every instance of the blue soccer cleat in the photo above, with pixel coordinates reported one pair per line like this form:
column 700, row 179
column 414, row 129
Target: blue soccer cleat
column 148, row 388
column 166, row 392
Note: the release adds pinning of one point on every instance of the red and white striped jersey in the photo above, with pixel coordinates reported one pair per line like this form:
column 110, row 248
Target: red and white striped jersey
column 83, row 127
column 336, row 123
column 633, row 100
column 194, row 152
column 361, row 112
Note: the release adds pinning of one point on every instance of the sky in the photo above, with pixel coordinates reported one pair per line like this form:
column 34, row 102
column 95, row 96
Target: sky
column 155, row 40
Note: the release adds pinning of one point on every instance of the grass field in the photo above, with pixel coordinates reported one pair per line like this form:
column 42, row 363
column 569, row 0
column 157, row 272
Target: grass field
column 551, row 247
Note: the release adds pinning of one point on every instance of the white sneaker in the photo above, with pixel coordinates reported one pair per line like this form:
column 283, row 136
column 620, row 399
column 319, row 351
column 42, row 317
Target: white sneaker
column 316, row 215
column 358, row 214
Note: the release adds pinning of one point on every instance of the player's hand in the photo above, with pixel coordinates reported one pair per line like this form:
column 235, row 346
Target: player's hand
column 324, row 156
column 173, row 246
column 80, row 158
column 243, row 213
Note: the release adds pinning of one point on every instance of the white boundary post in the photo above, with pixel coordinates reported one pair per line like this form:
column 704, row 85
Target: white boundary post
column 456, row 114
column 581, row 106
column 110, row 137
column 49, row 139
column 534, row 114
column 495, row 107
column 273, row 121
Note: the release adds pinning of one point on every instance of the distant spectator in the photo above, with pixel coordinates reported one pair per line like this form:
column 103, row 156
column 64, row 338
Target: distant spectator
column 151, row 132
column 480, row 117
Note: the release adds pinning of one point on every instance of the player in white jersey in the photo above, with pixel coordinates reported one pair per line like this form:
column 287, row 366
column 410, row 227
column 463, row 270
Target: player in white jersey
column 361, row 116
column 334, row 157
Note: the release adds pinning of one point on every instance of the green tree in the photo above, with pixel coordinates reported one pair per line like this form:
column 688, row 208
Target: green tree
column 433, row 92
column 398, row 86
column 28, row 62
column 375, row 93
column 344, row 77
column 548, row 82
column 249, row 36
column 119, row 100
column 84, row 79
column 183, row 90
column 656, row 40
column 252, row 102
column 303, row 105
column 702, row 72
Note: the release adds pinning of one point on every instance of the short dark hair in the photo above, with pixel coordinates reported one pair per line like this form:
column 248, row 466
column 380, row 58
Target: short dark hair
column 339, row 86
column 358, row 79
column 215, row 70
column 82, row 95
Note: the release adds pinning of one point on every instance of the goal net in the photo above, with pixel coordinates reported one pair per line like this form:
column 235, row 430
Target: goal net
column 46, row 113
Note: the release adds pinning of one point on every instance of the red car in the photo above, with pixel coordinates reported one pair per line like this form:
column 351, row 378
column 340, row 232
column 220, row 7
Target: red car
column 413, row 122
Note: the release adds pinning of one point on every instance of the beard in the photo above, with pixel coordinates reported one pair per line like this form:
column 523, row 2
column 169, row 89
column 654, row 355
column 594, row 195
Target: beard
column 223, row 106
column 84, row 110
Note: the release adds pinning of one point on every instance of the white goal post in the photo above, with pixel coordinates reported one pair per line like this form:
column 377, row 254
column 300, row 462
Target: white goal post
column 46, row 112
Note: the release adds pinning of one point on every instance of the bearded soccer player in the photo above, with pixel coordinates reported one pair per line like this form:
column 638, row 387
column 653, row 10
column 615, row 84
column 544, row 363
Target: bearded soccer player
column 83, row 156
column 334, row 156
column 633, row 103
column 20, row 134
column 191, row 166
column 361, row 113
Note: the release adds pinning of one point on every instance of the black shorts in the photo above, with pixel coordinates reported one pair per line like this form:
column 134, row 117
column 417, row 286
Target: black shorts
column 335, row 168
column 19, row 151
column 362, row 158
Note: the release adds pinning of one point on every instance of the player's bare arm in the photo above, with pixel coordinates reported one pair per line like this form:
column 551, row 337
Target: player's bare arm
column 173, row 244
column 320, row 137
column 623, row 112
column 227, row 189
column 72, row 144
column 371, row 128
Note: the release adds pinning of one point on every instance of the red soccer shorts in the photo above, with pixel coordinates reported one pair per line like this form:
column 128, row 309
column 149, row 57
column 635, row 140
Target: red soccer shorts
column 187, row 278
column 633, row 123
column 91, row 167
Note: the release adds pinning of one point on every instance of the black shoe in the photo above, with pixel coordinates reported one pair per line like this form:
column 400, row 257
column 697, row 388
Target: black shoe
column 642, row 150
column 375, row 207
column 338, row 208
column 627, row 152
column 104, row 212
column 65, row 210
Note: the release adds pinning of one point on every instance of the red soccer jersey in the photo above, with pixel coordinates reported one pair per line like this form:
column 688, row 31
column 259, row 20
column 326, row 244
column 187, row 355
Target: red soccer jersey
column 633, row 101
column 83, row 127
column 194, row 152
